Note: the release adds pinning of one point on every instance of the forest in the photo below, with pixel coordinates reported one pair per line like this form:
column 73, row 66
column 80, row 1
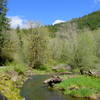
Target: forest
column 72, row 46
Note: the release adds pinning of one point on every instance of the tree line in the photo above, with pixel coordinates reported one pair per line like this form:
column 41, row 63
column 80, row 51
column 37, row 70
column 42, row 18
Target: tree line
column 41, row 46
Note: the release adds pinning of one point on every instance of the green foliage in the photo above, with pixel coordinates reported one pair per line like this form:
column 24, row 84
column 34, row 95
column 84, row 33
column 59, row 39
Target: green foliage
column 52, row 45
column 90, row 21
column 7, row 88
column 83, row 86
column 52, row 30
column 3, row 20
column 78, row 50
column 3, row 28
column 74, row 47
column 84, row 53
column 10, row 50
column 19, row 68
column 36, row 48
column 84, row 92
column 96, row 35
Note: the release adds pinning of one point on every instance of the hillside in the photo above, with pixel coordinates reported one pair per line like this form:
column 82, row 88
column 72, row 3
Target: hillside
column 91, row 21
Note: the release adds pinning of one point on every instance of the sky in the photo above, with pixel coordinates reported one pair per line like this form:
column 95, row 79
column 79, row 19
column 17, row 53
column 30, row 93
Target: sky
column 49, row 11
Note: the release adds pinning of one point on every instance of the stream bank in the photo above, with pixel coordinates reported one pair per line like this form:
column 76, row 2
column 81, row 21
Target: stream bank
column 12, row 82
column 34, row 89
column 80, row 86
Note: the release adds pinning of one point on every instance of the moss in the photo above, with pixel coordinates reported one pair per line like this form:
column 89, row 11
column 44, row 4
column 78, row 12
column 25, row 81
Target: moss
column 8, row 89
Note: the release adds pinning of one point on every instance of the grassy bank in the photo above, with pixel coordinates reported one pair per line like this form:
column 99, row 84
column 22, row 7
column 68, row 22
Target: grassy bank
column 12, row 77
column 9, row 88
column 80, row 86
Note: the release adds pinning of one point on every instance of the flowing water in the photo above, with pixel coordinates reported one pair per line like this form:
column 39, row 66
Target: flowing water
column 34, row 89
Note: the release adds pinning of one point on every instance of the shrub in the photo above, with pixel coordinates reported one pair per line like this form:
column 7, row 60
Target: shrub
column 85, row 53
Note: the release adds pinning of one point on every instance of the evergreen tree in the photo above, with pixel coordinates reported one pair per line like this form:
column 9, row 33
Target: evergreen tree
column 4, row 26
column 3, row 20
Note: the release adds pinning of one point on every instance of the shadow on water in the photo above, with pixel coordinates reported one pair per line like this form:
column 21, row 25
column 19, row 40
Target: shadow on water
column 34, row 89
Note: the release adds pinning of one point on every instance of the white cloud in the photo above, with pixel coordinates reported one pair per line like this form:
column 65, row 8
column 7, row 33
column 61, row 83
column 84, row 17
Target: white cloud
column 58, row 21
column 16, row 21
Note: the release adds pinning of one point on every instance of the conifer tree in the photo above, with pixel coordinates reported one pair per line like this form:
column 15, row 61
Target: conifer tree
column 4, row 26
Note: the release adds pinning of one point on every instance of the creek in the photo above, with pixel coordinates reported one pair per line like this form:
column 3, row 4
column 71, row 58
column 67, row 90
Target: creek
column 34, row 89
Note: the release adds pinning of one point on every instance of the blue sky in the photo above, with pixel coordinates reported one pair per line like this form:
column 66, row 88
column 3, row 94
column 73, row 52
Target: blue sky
column 47, row 11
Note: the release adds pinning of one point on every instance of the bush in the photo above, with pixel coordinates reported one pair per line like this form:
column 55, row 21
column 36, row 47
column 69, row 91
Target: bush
column 85, row 52
column 80, row 51
column 19, row 68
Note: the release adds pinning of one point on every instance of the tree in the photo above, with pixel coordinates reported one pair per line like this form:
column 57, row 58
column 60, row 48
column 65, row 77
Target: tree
column 3, row 20
column 4, row 26
column 37, row 43
column 83, row 55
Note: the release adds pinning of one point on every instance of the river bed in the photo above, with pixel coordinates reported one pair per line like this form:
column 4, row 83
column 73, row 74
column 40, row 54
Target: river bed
column 34, row 89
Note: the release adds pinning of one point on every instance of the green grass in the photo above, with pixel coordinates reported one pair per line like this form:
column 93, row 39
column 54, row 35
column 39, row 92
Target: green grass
column 83, row 92
column 42, row 71
column 80, row 86
column 20, row 68
column 8, row 88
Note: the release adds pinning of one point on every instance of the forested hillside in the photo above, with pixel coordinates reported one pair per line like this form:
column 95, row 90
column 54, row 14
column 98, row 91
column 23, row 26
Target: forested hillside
column 90, row 21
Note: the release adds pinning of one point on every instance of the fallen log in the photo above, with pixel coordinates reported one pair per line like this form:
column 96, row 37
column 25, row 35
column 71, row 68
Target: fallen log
column 52, row 81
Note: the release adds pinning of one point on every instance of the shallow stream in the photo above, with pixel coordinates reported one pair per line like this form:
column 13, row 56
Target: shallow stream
column 34, row 89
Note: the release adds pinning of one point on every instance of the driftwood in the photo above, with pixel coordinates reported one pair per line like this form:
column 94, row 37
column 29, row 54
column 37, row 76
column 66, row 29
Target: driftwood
column 53, row 80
